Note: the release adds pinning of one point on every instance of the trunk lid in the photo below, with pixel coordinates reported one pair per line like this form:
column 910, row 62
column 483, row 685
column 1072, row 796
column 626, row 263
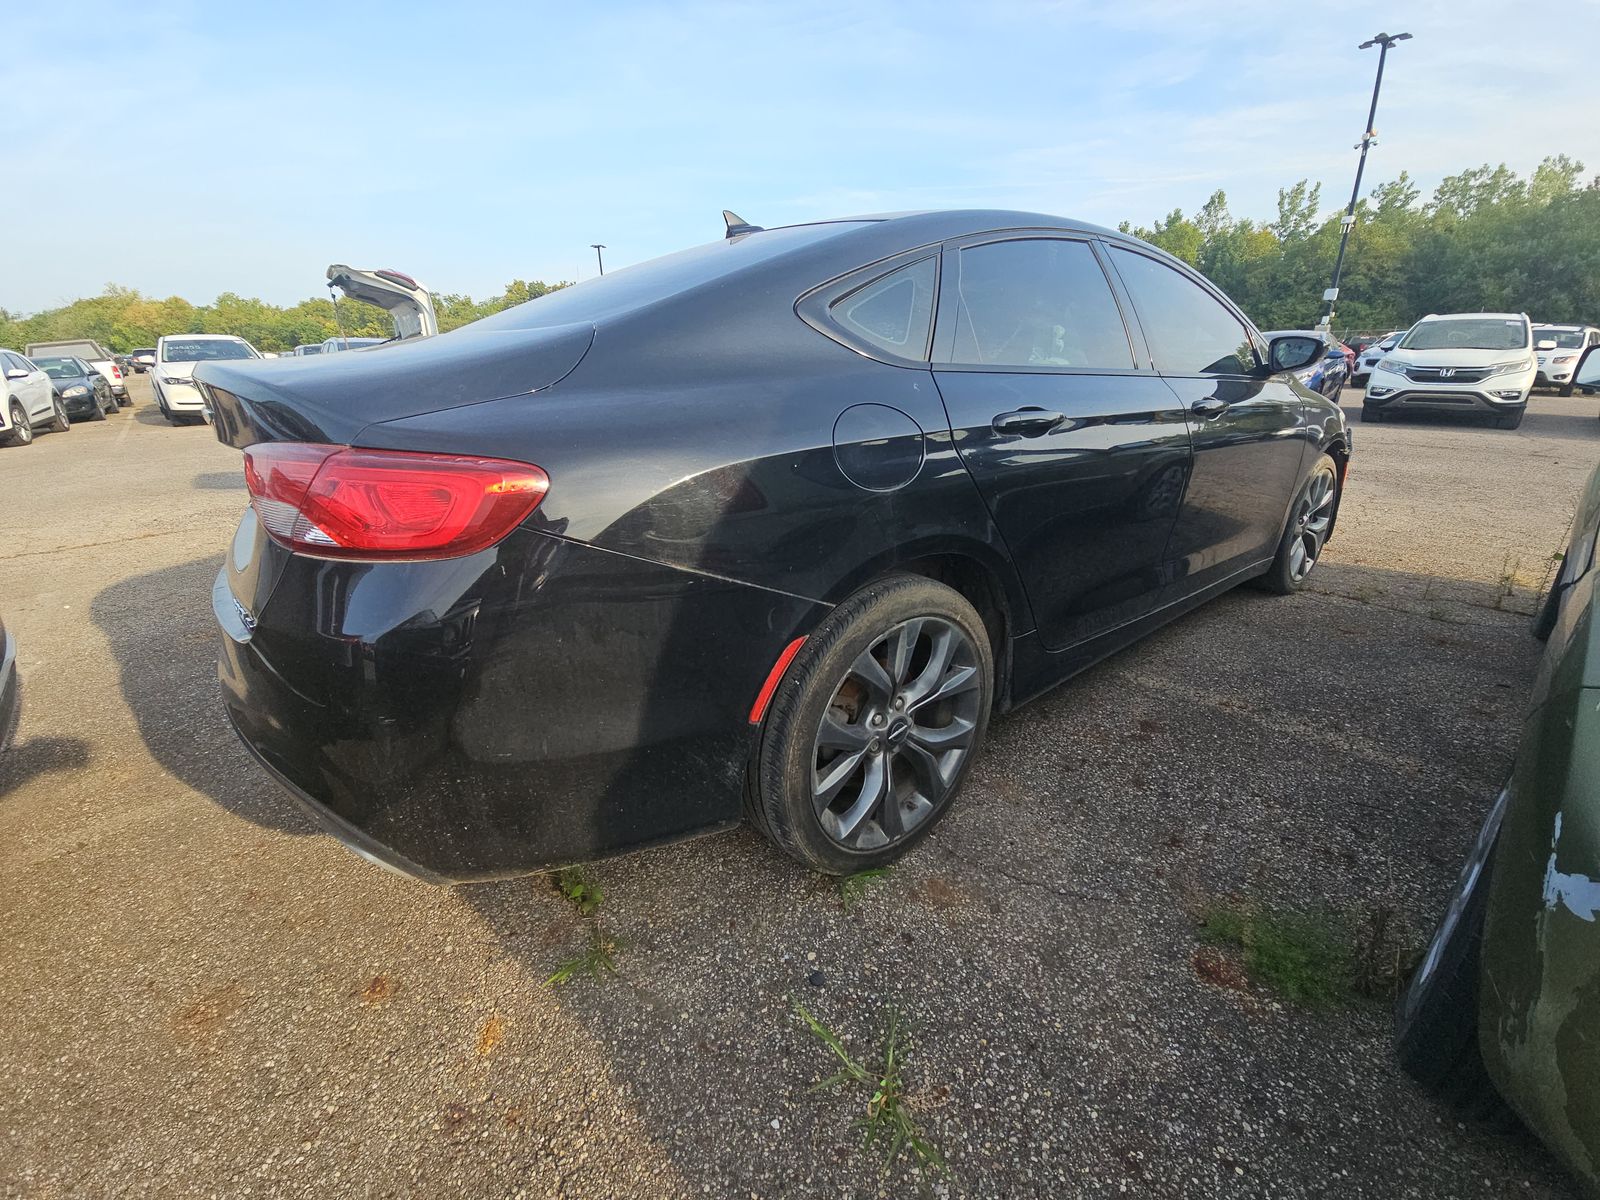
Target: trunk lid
column 333, row 397
column 406, row 300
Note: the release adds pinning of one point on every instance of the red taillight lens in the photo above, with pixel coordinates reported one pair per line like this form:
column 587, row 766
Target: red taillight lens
column 341, row 502
column 116, row 371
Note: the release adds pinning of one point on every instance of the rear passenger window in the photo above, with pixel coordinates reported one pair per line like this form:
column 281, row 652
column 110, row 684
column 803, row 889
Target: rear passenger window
column 894, row 312
column 1038, row 302
column 1189, row 332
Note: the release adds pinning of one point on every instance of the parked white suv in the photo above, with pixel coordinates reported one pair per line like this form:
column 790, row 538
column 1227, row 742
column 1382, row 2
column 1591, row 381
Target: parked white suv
column 172, row 374
column 1557, row 349
column 1458, row 362
column 1373, row 355
column 28, row 401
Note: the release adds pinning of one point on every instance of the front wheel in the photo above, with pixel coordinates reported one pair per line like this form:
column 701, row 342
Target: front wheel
column 58, row 418
column 1510, row 421
column 21, row 426
column 1371, row 415
column 98, row 412
column 871, row 732
column 1310, row 522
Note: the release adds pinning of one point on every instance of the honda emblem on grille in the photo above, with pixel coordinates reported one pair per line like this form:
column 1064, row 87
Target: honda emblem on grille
column 1447, row 372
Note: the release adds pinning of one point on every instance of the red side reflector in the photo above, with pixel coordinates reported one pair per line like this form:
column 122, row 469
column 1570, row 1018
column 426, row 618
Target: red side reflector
column 764, row 697
column 342, row 502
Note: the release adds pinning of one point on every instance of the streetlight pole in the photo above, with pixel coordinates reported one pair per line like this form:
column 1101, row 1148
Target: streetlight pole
column 597, row 246
column 1383, row 41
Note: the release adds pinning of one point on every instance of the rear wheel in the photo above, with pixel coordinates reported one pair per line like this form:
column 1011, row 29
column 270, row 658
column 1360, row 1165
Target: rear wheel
column 58, row 418
column 1310, row 522
column 872, row 730
column 1436, row 1019
column 21, row 427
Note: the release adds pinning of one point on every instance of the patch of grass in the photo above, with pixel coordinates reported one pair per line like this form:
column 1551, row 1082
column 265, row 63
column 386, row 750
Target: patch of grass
column 853, row 888
column 581, row 893
column 595, row 961
column 1306, row 959
column 890, row 1121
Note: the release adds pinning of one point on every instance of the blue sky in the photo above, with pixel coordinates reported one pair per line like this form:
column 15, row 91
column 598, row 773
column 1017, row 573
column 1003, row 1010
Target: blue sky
column 191, row 148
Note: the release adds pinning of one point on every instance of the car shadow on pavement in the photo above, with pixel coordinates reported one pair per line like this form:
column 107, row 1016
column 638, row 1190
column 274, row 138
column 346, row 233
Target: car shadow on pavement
column 220, row 481
column 41, row 756
column 164, row 640
column 1065, row 1032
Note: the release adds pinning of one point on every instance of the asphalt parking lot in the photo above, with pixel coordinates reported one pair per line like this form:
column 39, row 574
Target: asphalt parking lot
column 205, row 996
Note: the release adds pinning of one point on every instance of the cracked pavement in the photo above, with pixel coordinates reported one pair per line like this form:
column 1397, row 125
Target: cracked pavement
column 205, row 996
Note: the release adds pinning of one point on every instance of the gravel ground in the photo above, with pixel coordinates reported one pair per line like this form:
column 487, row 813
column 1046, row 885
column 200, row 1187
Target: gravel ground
column 203, row 996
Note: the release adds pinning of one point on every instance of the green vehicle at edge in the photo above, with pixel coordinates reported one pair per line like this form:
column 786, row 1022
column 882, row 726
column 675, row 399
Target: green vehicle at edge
column 1505, row 1007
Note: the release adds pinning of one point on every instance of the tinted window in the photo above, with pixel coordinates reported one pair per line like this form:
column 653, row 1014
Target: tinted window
column 1038, row 302
column 893, row 312
column 1189, row 332
column 14, row 362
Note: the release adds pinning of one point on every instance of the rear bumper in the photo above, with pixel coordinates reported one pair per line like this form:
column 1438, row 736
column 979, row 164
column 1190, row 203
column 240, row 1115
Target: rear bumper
column 10, row 689
column 537, row 704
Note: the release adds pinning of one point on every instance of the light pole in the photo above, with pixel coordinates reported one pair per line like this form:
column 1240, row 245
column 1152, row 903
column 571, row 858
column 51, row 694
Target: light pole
column 598, row 246
column 1383, row 41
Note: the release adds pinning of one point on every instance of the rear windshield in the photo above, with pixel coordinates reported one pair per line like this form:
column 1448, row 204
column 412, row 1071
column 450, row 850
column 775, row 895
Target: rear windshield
column 76, row 349
column 1468, row 333
column 60, row 368
column 619, row 291
column 1565, row 339
column 205, row 350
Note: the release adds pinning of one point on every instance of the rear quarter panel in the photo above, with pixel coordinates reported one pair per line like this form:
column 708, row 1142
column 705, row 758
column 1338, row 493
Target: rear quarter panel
column 1540, row 992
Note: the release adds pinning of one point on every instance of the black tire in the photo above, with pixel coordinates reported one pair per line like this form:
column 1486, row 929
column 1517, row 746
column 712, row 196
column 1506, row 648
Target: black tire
column 98, row 411
column 1565, row 389
column 21, row 427
column 1370, row 415
column 1510, row 422
column 1544, row 622
column 1281, row 575
column 778, row 792
column 1436, row 1018
column 59, row 421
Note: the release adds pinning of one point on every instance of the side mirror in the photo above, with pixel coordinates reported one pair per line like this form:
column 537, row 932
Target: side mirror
column 1587, row 376
column 1292, row 352
column 1547, row 344
column 15, row 374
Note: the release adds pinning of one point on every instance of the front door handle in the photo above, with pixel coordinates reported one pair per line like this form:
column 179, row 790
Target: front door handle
column 1211, row 406
column 1029, row 422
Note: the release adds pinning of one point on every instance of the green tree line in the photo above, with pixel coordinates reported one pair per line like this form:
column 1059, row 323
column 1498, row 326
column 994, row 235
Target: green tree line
column 1487, row 239
column 123, row 319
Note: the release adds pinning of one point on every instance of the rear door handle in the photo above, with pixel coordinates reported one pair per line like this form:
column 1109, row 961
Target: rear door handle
column 1211, row 406
column 1029, row 422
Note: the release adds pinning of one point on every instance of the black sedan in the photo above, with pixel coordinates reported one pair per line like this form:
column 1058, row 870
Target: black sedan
column 767, row 527
column 84, row 392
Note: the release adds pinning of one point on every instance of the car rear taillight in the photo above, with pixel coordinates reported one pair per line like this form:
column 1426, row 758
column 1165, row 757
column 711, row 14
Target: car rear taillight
column 343, row 502
column 116, row 371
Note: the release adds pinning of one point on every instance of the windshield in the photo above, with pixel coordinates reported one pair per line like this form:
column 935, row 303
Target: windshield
column 205, row 350
column 61, row 368
column 1468, row 333
column 657, row 278
column 1565, row 339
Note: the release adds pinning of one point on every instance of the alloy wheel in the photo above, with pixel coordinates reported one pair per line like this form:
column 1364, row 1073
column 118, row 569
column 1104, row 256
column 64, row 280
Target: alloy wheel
column 895, row 734
column 1313, row 519
column 22, row 428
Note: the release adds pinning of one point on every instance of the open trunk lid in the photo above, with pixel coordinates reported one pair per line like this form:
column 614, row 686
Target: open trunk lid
column 332, row 397
column 406, row 300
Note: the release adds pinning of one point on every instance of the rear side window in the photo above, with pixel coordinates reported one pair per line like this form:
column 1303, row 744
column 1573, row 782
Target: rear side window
column 894, row 312
column 1038, row 302
column 1189, row 332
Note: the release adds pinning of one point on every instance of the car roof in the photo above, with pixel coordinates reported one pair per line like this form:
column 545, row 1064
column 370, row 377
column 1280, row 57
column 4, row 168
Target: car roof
column 1483, row 316
column 204, row 337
